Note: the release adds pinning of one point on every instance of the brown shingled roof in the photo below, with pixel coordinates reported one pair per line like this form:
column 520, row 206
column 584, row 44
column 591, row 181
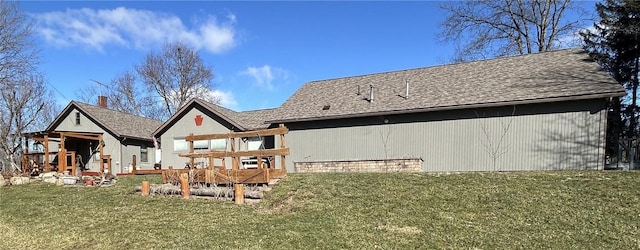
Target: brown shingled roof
column 120, row 124
column 255, row 119
column 245, row 120
column 543, row 77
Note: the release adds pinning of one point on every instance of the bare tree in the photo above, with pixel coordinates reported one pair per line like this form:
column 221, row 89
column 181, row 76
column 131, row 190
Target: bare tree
column 490, row 28
column 88, row 93
column 25, row 106
column 177, row 74
column 17, row 53
column 127, row 95
column 493, row 139
column 25, row 102
column 384, row 136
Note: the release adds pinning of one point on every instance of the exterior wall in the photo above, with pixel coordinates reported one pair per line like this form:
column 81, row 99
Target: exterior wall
column 211, row 124
column 133, row 148
column 184, row 126
column 552, row 136
column 111, row 144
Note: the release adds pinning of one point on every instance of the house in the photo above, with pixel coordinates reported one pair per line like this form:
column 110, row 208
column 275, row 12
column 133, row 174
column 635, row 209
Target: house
column 96, row 135
column 543, row 111
column 201, row 117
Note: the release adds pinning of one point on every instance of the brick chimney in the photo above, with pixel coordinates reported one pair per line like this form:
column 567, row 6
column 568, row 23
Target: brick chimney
column 102, row 101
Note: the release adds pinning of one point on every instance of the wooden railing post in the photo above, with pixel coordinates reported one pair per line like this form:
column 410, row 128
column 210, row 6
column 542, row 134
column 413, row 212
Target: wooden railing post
column 133, row 165
column 238, row 193
column 73, row 163
column 145, row 188
column 184, row 185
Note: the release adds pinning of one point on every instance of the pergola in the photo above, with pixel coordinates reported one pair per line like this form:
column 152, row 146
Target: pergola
column 66, row 159
column 259, row 173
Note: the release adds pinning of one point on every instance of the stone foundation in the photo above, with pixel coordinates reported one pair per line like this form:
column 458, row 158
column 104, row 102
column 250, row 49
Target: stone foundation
column 389, row 165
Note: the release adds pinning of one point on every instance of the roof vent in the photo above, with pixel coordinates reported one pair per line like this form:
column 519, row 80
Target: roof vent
column 370, row 92
column 326, row 107
column 358, row 93
column 406, row 93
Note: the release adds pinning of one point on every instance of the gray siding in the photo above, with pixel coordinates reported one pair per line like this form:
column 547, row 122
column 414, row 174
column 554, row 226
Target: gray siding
column 182, row 128
column 566, row 135
column 128, row 151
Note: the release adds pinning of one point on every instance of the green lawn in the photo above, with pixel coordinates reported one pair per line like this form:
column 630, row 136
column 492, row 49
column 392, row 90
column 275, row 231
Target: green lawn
column 533, row 210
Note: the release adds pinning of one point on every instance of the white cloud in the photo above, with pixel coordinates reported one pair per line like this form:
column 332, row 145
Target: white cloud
column 264, row 76
column 222, row 98
column 572, row 40
column 225, row 98
column 127, row 27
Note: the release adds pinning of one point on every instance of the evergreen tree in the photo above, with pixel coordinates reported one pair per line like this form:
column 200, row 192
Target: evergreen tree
column 614, row 44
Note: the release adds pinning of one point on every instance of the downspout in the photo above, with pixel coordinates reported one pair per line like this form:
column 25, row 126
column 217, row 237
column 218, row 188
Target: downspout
column 119, row 162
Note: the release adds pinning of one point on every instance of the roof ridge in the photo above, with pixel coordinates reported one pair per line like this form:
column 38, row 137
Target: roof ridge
column 255, row 110
column 214, row 104
column 113, row 110
column 445, row 65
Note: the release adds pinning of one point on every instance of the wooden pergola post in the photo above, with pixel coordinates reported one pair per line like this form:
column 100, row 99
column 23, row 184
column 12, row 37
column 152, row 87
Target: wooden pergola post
column 46, row 153
column 62, row 155
column 192, row 161
column 73, row 163
column 235, row 161
column 133, row 165
column 101, row 152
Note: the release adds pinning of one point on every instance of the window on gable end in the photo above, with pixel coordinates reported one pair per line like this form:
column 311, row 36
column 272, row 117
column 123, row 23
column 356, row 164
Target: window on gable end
column 77, row 118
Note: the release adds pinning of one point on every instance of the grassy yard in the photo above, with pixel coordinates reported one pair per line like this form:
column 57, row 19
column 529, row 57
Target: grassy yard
column 560, row 210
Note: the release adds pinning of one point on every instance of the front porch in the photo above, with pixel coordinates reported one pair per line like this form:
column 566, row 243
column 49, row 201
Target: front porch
column 74, row 151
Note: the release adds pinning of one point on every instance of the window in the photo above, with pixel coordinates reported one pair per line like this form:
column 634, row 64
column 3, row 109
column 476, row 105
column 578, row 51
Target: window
column 219, row 144
column 179, row 144
column 144, row 157
column 200, row 145
column 254, row 143
column 77, row 118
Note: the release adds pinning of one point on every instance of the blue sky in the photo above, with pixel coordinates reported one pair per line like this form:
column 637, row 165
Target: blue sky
column 260, row 52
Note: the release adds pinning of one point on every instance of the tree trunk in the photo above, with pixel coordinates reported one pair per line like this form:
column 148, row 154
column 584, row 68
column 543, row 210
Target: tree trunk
column 634, row 99
column 210, row 192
